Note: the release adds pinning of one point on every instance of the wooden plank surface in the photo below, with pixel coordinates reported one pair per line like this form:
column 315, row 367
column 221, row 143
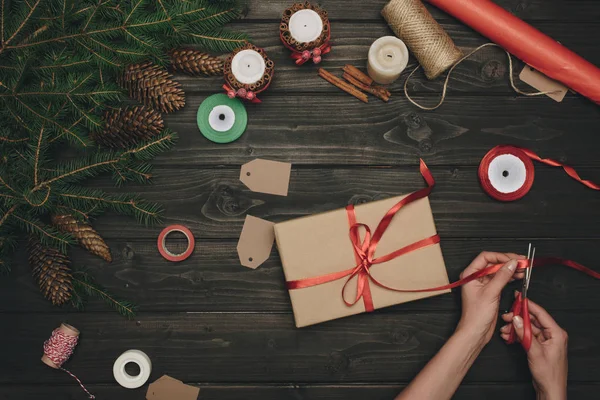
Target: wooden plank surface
column 228, row 329
column 262, row 348
column 213, row 203
column 292, row 391
column 212, row 280
column 340, row 130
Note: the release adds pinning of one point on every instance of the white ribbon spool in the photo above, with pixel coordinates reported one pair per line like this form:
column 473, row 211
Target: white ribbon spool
column 221, row 118
column 507, row 173
column 248, row 66
column 305, row 26
column 137, row 357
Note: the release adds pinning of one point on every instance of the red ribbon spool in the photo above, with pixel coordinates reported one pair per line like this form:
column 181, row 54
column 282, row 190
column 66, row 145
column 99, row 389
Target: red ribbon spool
column 506, row 173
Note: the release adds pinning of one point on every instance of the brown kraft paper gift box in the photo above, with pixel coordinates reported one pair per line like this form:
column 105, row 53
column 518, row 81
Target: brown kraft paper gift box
column 319, row 244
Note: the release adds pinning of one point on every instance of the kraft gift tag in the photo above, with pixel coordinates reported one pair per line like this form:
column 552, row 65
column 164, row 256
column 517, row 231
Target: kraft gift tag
column 167, row 388
column 541, row 82
column 256, row 241
column 265, row 176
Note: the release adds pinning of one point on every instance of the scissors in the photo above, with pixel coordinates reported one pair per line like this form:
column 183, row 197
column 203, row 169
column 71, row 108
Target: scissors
column 521, row 306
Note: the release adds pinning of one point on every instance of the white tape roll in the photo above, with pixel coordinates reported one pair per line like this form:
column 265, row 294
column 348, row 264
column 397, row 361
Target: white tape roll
column 221, row 118
column 507, row 173
column 137, row 357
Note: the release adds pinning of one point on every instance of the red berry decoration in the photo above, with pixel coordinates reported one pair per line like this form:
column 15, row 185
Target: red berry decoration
column 316, row 52
column 250, row 95
column 317, row 59
column 241, row 92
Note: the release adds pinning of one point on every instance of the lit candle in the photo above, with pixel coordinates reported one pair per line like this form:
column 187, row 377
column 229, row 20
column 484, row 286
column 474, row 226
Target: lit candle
column 248, row 66
column 388, row 56
column 305, row 26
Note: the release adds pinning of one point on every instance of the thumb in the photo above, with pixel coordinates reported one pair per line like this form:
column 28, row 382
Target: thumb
column 502, row 277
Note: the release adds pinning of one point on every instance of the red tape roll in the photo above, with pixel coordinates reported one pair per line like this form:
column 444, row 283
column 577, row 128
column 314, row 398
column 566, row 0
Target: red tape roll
column 162, row 248
column 506, row 172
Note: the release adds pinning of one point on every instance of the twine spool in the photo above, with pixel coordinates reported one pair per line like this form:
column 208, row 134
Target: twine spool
column 430, row 44
column 59, row 348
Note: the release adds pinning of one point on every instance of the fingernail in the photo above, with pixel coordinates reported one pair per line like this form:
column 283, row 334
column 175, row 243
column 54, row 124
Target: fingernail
column 517, row 321
column 512, row 265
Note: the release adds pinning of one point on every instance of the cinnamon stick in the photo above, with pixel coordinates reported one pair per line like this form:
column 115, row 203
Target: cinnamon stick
column 358, row 74
column 374, row 90
column 346, row 87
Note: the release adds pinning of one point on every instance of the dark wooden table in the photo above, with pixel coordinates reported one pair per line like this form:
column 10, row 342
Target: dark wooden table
column 210, row 322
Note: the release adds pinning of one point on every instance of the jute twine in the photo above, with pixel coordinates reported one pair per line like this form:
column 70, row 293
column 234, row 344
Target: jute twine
column 427, row 40
column 445, row 88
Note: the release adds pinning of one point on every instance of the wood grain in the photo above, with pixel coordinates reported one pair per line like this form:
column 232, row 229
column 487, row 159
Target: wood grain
column 212, row 279
column 340, row 130
column 295, row 391
column 261, row 348
column 213, row 202
column 532, row 10
column 485, row 73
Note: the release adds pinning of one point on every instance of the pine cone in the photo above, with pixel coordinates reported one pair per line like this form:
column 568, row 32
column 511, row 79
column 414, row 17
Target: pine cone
column 153, row 86
column 128, row 126
column 86, row 236
column 52, row 272
column 195, row 62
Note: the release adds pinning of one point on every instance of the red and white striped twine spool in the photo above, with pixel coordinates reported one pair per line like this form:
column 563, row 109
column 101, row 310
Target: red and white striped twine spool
column 59, row 348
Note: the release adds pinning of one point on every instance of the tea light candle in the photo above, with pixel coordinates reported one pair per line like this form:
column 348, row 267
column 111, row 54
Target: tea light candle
column 305, row 26
column 248, row 66
column 388, row 56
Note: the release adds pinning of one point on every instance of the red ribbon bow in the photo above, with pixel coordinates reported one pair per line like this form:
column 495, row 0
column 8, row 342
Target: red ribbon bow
column 241, row 93
column 364, row 253
column 315, row 54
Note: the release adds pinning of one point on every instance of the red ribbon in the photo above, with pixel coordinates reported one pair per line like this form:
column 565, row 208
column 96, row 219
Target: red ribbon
column 364, row 253
column 315, row 54
column 242, row 93
column 525, row 155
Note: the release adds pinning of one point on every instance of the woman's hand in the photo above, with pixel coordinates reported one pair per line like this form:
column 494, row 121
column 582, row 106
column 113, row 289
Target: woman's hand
column 481, row 297
column 548, row 353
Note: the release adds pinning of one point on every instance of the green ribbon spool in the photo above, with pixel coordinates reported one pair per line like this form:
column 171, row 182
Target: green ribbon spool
column 221, row 119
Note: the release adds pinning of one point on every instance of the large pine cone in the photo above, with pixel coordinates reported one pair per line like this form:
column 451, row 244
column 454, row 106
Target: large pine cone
column 86, row 236
column 126, row 127
column 153, row 86
column 195, row 62
column 52, row 272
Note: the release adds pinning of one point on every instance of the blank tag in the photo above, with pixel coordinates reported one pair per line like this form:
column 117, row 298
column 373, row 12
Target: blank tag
column 256, row 242
column 265, row 176
column 167, row 388
column 541, row 82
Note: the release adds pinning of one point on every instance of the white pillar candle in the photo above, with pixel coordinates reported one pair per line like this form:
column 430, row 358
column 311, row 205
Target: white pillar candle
column 248, row 66
column 388, row 56
column 305, row 26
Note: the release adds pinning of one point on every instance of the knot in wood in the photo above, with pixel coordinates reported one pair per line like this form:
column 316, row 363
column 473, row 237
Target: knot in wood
column 493, row 70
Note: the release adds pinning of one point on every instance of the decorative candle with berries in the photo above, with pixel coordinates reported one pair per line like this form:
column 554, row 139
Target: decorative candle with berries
column 248, row 71
column 305, row 30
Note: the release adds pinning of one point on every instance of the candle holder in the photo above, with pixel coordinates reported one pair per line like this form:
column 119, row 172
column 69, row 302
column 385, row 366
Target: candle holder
column 305, row 30
column 248, row 71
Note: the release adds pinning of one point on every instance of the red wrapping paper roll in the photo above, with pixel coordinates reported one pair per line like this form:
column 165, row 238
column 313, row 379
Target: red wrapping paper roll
column 527, row 43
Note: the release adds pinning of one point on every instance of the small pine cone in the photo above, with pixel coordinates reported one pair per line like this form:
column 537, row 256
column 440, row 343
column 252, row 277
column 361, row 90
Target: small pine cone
column 153, row 86
column 86, row 236
column 128, row 126
column 195, row 62
column 52, row 272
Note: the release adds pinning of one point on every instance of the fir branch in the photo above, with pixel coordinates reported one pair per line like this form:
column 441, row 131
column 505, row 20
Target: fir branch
column 48, row 236
column 8, row 214
column 16, row 32
column 85, row 286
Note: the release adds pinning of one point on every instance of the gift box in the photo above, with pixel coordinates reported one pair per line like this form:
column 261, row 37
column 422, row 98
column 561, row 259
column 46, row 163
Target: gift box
column 362, row 258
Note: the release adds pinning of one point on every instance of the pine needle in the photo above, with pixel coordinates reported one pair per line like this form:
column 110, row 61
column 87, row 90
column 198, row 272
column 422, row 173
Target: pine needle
column 84, row 286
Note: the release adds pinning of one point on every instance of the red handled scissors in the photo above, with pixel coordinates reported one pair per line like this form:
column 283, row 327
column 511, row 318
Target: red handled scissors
column 521, row 306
